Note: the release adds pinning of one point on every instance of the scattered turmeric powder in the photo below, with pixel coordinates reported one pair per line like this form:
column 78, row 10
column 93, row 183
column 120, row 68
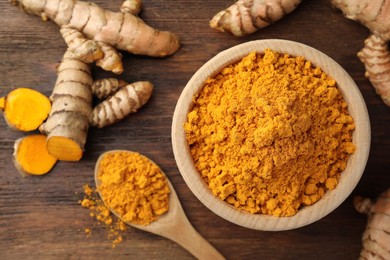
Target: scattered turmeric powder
column 270, row 134
column 115, row 227
column 88, row 232
column 132, row 186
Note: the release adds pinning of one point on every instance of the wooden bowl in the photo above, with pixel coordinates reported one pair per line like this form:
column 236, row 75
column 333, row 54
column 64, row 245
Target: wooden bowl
column 309, row 214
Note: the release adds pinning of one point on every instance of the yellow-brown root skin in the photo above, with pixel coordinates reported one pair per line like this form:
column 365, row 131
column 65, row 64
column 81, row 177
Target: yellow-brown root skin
column 376, row 237
column 126, row 100
column 373, row 14
column 31, row 156
column 85, row 49
column 121, row 30
column 67, row 125
column 111, row 60
column 104, row 88
column 375, row 56
column 132, row 6
column 247, row 16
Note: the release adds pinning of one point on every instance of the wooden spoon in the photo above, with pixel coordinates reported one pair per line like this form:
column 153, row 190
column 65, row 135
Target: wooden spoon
column 173, row 225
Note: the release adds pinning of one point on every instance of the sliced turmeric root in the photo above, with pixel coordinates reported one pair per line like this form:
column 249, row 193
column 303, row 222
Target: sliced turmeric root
column 31, row 156
column 25, row 109
column 64, row 149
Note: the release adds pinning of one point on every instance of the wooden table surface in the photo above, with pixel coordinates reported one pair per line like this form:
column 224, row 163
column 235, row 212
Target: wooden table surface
column 40, row 217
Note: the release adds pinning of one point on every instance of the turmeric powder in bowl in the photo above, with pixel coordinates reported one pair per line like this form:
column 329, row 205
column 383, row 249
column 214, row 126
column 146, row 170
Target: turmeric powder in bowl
column 270, row 134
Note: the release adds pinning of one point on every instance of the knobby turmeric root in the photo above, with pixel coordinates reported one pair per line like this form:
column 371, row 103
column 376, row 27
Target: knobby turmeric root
column 133, row 6
column 31, row 156
column 68, row 122
column 376, row 237
column 247, row 16
column 25, row 109
column 90, row 29
column 375, row 55
column 128, row 99
column 373, row 14
column 72, row 113
column 104, row 88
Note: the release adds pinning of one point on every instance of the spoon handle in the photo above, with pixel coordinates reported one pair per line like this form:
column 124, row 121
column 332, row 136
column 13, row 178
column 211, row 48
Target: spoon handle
column 185, row 235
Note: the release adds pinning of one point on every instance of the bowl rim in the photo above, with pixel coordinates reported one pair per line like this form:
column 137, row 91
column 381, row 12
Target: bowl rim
column 307, row 215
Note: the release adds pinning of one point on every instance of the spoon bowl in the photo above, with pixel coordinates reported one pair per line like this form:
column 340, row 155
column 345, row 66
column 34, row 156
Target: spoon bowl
column 173, row 225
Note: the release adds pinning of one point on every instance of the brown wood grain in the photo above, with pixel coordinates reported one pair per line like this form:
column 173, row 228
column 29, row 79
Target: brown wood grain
column 40, row 217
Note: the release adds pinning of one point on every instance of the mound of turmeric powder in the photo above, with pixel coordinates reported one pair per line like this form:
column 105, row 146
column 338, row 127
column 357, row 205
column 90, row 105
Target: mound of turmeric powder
column 270, row 134
column 133, row 186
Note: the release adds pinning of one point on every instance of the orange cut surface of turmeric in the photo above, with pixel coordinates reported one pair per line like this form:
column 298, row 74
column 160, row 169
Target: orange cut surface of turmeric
column 31, row 156
column 63, row 148
column 25, row 109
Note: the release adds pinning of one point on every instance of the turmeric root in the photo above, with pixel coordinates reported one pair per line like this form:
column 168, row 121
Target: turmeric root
column 68, row 122
column 104, row 88
column 247, row 16
column 376, row 58
column 110, row 30
column 31, row 156
column 25, row 109
column 72, row 113
column 376, row 237
column 133, row 6
column 126, row 100
column 375, row 15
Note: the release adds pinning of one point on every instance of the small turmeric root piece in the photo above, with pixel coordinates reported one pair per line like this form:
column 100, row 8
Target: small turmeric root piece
column 132, row 6
column 68, row 123
column 25, row 109
column 104, row 88
column 376, row 58
column 247, row 16
column 85, row 49
column 106, row 56
column 376, row 237
column 112, row 59
column 31, row 156
column 128, row 99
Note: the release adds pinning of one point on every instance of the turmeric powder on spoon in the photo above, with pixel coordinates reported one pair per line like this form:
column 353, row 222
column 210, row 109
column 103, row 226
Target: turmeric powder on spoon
column 133, row 187
column 270, row 134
